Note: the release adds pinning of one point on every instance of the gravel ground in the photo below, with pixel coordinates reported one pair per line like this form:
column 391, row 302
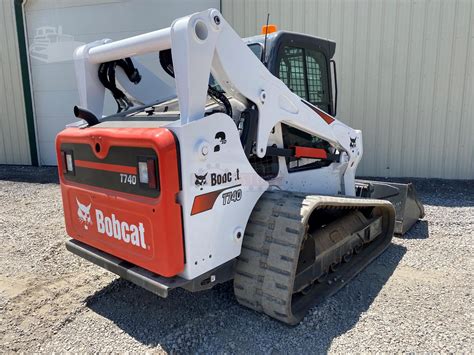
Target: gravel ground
column 417, row 296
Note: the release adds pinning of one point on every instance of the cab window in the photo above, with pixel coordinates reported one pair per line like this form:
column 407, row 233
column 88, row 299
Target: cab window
column 304, row 71
column 257, row 49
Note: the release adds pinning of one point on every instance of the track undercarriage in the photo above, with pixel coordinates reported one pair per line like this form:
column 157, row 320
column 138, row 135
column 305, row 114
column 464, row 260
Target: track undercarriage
column 299, row 249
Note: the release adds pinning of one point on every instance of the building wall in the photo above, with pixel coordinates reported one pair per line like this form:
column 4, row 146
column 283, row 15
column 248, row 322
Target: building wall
column 14, row 144
column 53, row 82
column 405, row 75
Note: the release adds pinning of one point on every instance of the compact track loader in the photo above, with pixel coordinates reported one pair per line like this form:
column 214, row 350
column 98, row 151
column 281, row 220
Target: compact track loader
column 226, row 163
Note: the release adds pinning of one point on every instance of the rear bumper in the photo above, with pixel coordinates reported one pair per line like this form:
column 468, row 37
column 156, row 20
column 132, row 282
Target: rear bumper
column 159, row 285
column 150, row 281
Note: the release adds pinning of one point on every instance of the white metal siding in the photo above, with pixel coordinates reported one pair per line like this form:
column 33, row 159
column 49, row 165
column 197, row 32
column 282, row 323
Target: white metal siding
column 405, row 75
column 14, row 144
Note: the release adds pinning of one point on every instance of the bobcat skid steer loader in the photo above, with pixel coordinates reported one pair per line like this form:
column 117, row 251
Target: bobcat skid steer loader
column 227, row 163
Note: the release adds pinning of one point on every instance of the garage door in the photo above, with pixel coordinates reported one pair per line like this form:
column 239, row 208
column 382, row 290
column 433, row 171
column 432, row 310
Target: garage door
column 56, row 28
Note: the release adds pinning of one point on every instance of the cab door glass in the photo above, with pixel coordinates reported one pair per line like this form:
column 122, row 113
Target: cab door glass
column 305, row 73
column 317, row 79
column 292, row 71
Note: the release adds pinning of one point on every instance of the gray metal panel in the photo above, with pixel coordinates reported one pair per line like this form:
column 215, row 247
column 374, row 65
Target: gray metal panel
column 405, row 72
column 14, row 144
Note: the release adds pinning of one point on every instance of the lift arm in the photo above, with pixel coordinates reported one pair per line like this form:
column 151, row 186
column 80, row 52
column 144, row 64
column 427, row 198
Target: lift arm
column 203, row 44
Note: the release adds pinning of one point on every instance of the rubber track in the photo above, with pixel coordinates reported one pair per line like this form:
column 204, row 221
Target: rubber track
column 266, row 268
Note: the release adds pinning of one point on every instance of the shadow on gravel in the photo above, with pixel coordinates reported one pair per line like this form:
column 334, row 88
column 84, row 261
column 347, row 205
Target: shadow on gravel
column 30, row 174
column 212, row 321
column 418, row 231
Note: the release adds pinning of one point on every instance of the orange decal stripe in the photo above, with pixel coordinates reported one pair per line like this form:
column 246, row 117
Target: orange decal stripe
column 205, row 202
column 106, row 167
column 327, row 118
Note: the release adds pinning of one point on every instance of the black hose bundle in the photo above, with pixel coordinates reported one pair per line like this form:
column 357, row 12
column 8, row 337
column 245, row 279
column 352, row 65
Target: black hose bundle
column 107, row 78
column 166, row 62
column 219, row 96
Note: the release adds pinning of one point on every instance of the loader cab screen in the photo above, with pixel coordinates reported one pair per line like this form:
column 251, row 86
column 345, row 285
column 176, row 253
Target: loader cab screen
column 305, row 72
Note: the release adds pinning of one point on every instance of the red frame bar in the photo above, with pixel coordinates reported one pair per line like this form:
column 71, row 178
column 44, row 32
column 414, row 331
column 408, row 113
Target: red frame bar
column 306, row 152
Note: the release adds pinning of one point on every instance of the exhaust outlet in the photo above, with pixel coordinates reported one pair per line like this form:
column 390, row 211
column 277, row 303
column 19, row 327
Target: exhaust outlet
column 86, row 115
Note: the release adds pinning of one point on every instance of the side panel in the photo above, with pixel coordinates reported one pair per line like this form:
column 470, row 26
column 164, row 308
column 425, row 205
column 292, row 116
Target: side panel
column 107, row 207
column 220, row 189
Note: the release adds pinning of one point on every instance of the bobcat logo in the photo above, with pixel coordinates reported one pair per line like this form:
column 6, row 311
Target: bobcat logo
column 84, row 214
column 353, row 142
column 200, row 180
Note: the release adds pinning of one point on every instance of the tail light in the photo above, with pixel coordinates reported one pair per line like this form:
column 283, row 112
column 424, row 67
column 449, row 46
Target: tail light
column 67, row 162
column 147, row 172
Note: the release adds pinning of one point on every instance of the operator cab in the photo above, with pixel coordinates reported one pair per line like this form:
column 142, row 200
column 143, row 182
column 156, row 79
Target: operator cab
column 304, row 63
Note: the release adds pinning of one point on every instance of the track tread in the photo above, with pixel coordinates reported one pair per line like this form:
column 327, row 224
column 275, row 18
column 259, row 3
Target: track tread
column 266, row 268
column 281, row 237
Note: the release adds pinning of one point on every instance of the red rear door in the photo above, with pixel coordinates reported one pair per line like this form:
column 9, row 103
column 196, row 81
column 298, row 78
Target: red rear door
column 119, row 188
